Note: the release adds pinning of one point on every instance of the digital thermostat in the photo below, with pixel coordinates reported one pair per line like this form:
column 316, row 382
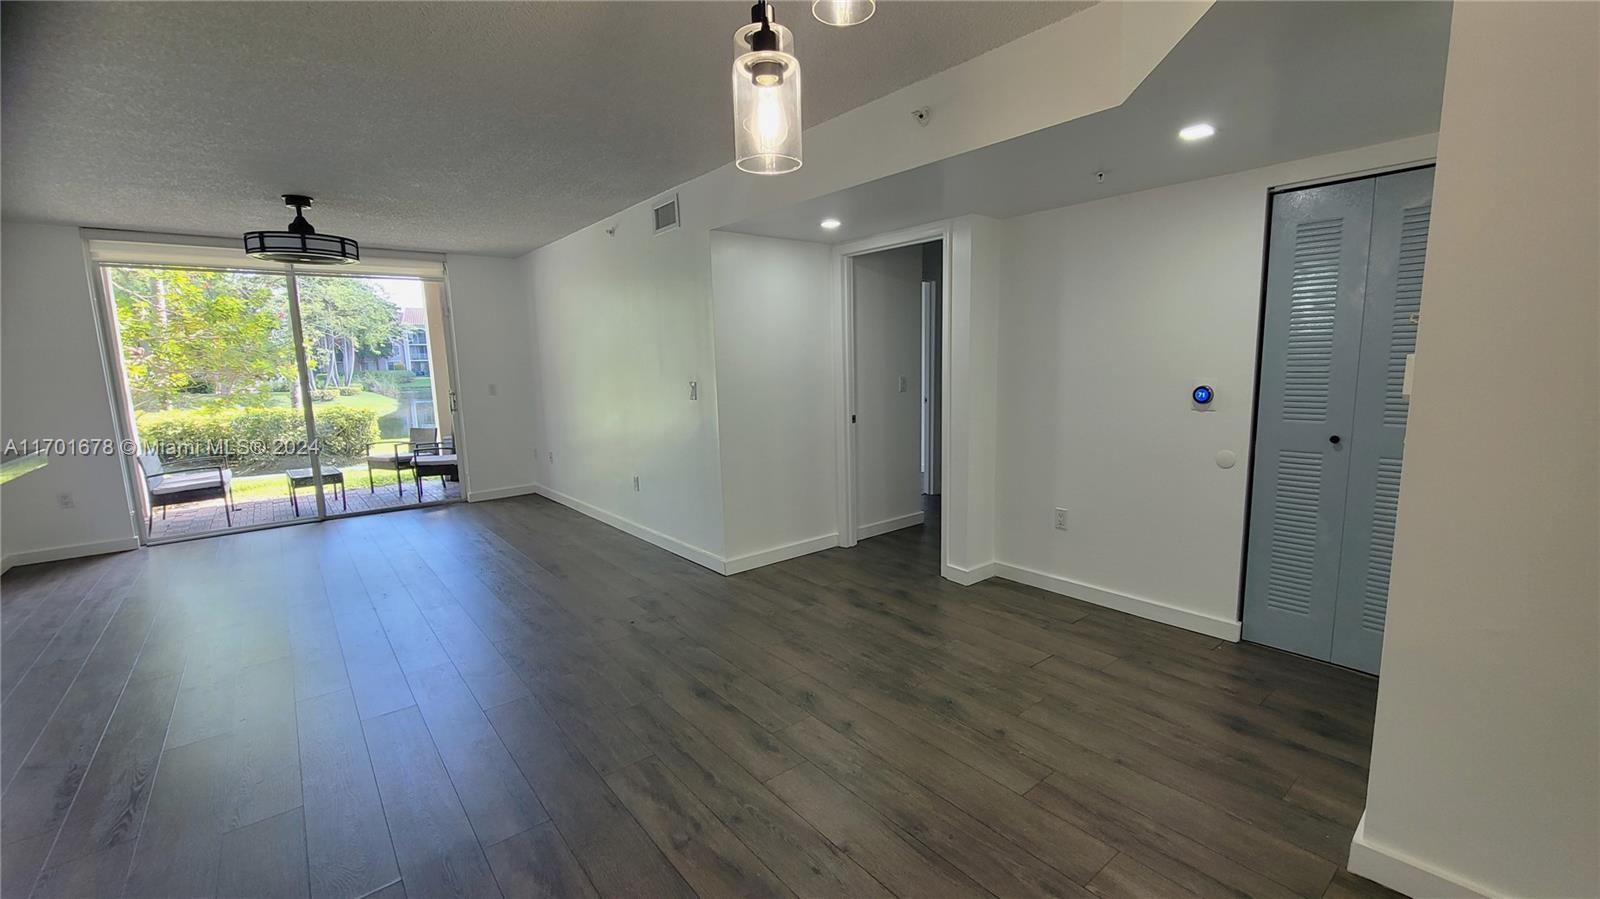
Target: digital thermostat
column 1202, row 397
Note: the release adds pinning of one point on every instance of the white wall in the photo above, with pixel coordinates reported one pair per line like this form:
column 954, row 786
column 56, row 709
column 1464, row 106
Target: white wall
column 623, row 320
column 888, row 394
column 489, row 315
column 774, row 313
column 1112, row 311
column 1485, row 774
column 54, row 386
column 975, row 290
column 622, row 325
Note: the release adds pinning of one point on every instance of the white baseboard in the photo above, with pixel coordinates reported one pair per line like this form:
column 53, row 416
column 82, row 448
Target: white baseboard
column 671, row 544
column 1122, row 602
column 1399, row 871
column 966, row 577
column 779, row 553
column 74, row 551
column 888, row 524
column 478, row 496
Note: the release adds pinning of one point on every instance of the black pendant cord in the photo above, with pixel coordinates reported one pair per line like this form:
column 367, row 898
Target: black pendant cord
column 763, row 39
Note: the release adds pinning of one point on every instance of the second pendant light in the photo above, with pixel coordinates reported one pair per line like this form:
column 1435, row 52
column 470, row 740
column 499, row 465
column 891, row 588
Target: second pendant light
column 843, row 13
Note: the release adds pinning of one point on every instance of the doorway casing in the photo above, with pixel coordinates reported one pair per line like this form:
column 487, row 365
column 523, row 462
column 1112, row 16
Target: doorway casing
column 844, row 350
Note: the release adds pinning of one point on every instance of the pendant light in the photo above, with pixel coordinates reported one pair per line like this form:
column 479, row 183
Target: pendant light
column 843, row 13
column 766, row 96
column 300, row 244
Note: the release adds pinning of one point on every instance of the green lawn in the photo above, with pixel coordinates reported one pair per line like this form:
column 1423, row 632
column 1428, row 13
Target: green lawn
column 377, row 403
column 273, row 485
column 12, row 469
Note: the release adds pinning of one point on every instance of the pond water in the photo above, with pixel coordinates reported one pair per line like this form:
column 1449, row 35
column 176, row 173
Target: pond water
column 415, row 411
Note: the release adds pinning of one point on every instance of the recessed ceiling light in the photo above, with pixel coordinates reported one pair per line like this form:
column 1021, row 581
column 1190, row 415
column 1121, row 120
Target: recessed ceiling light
column 831, row 224
column 1197, row 131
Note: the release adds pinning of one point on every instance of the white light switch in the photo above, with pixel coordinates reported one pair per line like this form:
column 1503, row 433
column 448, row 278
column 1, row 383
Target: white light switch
column 902, row 384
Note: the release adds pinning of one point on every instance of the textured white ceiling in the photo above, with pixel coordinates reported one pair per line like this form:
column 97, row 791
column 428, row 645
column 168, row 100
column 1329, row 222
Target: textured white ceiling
column 469, row 127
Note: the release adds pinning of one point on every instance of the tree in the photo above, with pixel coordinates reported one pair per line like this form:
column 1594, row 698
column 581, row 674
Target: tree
column 343, row 319
column 188, row 333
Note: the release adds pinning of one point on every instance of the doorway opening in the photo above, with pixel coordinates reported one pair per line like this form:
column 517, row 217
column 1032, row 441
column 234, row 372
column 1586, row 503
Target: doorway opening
column 894, row 380
column 254, row 398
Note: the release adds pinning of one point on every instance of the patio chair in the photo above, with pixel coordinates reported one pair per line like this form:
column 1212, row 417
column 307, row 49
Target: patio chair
column 431, row 460
column 396, row 460
column 171, row 487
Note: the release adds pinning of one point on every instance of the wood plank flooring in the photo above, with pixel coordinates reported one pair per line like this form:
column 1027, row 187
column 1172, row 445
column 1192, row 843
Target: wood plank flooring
column 508, row 698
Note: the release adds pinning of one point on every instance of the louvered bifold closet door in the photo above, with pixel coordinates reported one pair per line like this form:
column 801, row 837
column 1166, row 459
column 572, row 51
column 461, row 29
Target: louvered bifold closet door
column 1401, row 207
column 1310, row 349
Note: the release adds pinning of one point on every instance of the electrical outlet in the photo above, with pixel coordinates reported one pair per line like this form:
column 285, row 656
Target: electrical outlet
column 1061, row 519
column 635, row 483
column 694, row 390
column 902, row 384
column 552, row 458
column 65, row 501
column 494, row 389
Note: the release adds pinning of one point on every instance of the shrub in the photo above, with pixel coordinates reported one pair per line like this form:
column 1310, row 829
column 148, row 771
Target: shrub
column 351, row 390
column 259, row 436
column 321, row 396
column 345, row 431
column 255, row 439
column 387, row 383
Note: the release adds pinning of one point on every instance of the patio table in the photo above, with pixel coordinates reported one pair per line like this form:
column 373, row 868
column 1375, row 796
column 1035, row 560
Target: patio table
column 302, row 477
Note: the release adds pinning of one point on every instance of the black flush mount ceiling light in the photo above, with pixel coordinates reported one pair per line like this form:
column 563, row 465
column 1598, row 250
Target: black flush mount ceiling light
column 301, row 244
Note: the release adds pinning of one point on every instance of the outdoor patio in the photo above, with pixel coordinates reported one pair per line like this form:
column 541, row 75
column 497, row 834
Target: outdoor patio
column 253, row 508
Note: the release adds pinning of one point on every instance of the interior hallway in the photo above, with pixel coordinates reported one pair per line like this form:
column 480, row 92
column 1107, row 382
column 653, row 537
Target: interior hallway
column 510, row 697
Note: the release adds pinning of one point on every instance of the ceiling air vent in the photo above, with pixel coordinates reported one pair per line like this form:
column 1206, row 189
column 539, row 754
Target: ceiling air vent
column 666, row 215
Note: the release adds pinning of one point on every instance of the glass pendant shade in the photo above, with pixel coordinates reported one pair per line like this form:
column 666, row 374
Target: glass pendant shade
column 843, row 12
column 766, row 104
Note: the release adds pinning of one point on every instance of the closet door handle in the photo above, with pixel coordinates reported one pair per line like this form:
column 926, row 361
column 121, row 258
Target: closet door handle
column 1334, row 439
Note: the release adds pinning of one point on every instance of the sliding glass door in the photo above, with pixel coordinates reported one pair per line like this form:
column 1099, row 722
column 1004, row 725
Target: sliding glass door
column 372, row 345
column 258, row 398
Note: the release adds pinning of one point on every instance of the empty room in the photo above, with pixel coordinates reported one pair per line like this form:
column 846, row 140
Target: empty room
column 850, row 448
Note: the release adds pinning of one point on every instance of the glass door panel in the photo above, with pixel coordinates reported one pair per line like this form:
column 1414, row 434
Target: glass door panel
column 373, row 348
column 213, row 394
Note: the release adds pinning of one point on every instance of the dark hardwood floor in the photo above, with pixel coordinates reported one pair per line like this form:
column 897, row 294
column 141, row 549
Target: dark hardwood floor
column 509, row 698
